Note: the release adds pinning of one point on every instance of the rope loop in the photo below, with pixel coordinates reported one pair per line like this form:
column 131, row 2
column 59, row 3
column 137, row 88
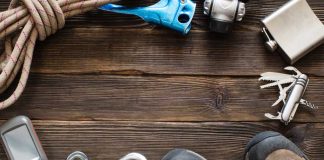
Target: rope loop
column 47, row 15
column 34, row 19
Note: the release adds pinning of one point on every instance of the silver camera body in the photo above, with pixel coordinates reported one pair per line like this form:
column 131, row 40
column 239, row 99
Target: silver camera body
column 223, row 13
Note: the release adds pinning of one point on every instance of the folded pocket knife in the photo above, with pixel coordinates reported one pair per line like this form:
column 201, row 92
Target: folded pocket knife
column 291, row 95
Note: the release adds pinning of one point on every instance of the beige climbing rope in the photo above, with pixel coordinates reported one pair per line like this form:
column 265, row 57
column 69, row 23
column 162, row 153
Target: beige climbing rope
column 21, row 25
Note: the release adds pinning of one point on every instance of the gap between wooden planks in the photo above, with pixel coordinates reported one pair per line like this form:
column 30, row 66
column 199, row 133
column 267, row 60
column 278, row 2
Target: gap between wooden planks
column 93, row 46
column 109, row 51
column 155, row 98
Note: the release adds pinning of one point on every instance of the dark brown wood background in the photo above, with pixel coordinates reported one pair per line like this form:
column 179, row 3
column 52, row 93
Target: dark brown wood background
column 109, row 84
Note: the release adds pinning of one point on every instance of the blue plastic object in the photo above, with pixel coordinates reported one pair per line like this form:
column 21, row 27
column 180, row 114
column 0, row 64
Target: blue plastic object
column 174, row 14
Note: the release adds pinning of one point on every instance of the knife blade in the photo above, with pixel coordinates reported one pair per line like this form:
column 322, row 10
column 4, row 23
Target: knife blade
column 274, row 76
column 282, row 95
column 280, row 82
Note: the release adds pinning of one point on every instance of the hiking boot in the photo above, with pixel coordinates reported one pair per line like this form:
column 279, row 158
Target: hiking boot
column 272, row 146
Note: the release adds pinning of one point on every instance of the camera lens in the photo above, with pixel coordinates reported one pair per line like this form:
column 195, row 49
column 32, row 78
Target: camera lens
column 220, row 26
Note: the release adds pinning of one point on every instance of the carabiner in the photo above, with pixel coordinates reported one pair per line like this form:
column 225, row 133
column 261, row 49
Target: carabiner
column 77, row 155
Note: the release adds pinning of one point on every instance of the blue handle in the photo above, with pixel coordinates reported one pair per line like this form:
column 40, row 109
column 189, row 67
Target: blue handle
column 174, row 14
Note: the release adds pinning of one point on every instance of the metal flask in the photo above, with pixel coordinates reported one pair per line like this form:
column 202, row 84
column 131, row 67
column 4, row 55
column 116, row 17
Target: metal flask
column 174, row 14
column 294, row 30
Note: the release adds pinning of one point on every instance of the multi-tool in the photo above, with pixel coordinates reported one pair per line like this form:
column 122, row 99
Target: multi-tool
column 174, row 14
column 291, row 95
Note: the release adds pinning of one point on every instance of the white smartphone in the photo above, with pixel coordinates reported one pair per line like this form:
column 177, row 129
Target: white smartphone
column 20, row 140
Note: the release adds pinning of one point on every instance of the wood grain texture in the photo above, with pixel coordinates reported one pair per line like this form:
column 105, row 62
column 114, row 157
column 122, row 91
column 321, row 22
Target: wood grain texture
column 109, row 84
column 162, row 52
column 163, row 98
column 102, row 42
column 256, row 10
column 215, row 141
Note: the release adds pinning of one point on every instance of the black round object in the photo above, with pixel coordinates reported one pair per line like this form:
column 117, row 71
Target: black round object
column 220, row 26
column 183, row 18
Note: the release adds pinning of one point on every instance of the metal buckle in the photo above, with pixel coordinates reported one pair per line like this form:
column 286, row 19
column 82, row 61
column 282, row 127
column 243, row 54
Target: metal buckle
column 77, row 155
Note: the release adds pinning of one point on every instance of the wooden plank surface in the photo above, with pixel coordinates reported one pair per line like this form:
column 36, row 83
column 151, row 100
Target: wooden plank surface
column 164, row 98
column 109, row 84
column 100, row 42
column 160, row 52
column 216, row 140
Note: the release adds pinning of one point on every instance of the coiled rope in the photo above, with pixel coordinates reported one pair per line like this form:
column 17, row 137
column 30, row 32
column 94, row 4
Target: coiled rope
column 33, row 19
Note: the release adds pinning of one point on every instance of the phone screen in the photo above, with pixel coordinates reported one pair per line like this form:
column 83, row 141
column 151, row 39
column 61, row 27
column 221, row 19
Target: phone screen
column 21, row 144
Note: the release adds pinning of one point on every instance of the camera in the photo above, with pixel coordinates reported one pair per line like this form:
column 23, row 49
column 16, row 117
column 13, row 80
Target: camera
column 223, row 13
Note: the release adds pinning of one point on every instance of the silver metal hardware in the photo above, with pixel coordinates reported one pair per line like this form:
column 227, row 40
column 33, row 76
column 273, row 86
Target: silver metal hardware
column 270, row 44
column 20, row 140
column 294, row 30
column 133, row 156
column 291, row 96
column 223, row 13
column 77, row 155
